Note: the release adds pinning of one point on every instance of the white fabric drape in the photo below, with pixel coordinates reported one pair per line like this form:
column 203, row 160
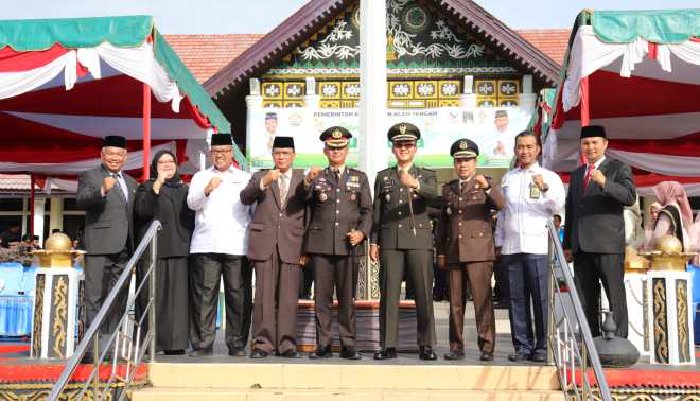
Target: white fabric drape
column 589, row 54
column 684, row 166
column 16, row 83
column 139, row 63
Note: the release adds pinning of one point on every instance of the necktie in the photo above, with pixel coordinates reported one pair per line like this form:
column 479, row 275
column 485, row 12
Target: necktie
column 284, row 188
column 121, row 184
column 587, row 178
column 463, row 187
column 336, row 172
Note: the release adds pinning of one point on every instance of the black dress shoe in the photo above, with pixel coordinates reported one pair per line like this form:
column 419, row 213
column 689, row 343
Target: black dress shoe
column 201, row 352
column 486, row 356
column 386, row 353
column 290, row 353
column 519, row 357
column 539, row 357
column 173, row 352
column 258, row 353
column 350, row 354
column 236, row 351
column 454, row 356
column 427, row 354
column 321, row 353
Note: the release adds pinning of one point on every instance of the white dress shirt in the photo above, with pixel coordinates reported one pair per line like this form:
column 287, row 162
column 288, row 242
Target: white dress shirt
column 221, row 220
column 522, row 225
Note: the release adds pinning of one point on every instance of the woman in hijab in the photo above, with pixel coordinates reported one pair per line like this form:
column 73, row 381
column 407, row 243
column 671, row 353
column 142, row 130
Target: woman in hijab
column 164, row 198
column 676, row 216
column 654, row 210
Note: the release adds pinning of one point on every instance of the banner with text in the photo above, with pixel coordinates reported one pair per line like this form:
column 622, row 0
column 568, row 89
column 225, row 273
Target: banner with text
column 493, row 129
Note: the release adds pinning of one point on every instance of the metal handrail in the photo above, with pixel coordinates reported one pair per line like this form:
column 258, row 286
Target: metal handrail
column 571, row 346
column 121, row 338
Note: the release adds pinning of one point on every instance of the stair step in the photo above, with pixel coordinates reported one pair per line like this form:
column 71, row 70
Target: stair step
column 352, row 377
column 209, row 394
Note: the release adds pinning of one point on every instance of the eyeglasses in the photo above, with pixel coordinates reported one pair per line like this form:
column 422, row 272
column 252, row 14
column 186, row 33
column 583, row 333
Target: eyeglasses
column 220, row 151
column 166, row 161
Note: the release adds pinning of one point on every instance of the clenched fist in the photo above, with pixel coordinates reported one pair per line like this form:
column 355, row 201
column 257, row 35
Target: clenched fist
column 539, row 182
column 107, row 184
column 270, row 177
column 481, row 182
column 214, row 183
column 313, row 172
column 598, row 177
column 408, row 180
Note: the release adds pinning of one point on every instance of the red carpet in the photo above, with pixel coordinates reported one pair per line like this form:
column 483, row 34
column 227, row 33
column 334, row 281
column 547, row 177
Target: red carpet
column 646, row 378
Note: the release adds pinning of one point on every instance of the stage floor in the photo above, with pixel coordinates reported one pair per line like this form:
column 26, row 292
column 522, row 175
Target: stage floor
column 17, row 353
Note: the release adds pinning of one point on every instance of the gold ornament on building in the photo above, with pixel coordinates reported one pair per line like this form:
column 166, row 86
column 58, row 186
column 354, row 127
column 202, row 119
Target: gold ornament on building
column 669, row 254
column 58, row 252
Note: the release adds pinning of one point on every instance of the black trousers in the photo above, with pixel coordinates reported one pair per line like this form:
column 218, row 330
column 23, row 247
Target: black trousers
column 334, row 272
column 307, row 278
column 101, row 274
column 206, row 270
column 589, row 268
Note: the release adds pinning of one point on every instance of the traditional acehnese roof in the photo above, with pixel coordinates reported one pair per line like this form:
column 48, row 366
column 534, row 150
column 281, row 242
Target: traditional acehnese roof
column 204, row 55
column 292, row 31
column 551, row 42
column 275, row 44
column 498, row 32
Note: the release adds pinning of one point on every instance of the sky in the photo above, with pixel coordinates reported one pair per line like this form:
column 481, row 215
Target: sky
column 260, row 16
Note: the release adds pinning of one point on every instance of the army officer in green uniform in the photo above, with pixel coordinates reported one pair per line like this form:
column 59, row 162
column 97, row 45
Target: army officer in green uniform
column 340, row 207
column 402, row 241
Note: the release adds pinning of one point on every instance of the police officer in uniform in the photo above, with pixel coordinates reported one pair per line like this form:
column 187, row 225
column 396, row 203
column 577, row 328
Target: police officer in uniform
column 340, row 207
column 465, row 245
column 403, row 242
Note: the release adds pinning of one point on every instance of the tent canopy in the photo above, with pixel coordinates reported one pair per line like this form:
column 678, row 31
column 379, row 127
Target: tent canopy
column 67, row 83
column 638, row 74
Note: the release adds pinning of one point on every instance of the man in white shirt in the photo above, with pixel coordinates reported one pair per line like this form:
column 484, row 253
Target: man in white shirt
column 533, row 194
column 218, row 247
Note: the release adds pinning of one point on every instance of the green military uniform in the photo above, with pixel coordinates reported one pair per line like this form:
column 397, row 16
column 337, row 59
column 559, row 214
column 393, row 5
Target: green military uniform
column 402, row 229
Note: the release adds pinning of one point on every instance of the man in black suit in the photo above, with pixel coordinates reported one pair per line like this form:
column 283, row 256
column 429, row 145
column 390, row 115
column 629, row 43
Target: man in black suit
column 595, row 229
column 107, row 195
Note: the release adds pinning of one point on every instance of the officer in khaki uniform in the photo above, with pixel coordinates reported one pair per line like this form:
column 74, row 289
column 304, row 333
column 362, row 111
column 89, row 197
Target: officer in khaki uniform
column 340, row 206
column 464, row 242
column 402, row 240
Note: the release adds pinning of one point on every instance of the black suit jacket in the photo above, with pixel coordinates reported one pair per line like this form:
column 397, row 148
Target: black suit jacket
column 594, row 216
column 108, row 219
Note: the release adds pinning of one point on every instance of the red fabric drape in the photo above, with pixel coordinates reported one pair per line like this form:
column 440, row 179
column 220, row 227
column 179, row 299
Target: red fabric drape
column 200, row 119
column 14, row 61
